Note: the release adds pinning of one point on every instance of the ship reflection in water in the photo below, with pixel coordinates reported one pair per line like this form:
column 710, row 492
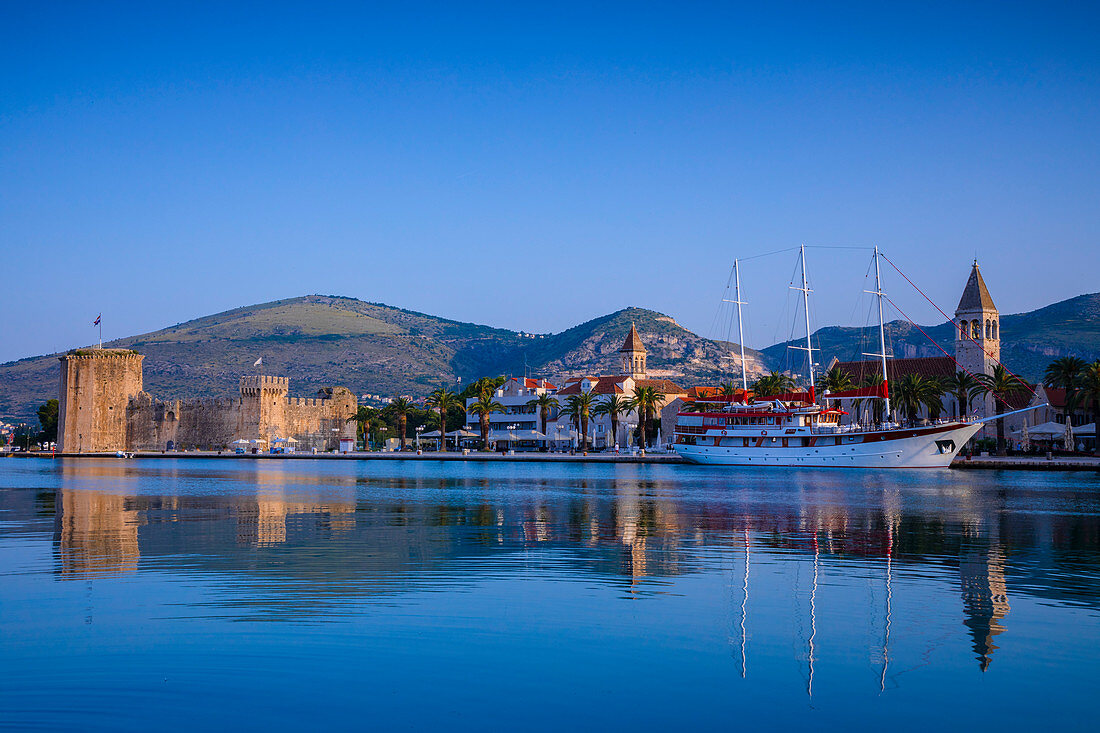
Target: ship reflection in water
column 624, row 594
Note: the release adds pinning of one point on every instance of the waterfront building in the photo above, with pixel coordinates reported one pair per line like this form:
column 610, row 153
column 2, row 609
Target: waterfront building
column 632, row 358
column 518, row 419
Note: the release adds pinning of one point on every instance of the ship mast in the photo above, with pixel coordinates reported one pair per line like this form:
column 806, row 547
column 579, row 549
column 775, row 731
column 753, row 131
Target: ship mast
column 740, row 329
column 881, row 335
column 805, row 289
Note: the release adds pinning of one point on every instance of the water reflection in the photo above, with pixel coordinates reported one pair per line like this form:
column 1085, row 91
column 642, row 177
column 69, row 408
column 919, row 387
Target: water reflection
column 301, row 541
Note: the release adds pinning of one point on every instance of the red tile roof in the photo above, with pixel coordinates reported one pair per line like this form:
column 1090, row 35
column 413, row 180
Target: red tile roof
column 534, row 383
column 661, row 385
column 925, row 366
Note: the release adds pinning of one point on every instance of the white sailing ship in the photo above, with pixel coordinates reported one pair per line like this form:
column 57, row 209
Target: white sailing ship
column 794, row 430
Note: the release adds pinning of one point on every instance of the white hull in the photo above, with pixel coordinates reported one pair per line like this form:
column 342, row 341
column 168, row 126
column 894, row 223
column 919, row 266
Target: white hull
column 917, row 448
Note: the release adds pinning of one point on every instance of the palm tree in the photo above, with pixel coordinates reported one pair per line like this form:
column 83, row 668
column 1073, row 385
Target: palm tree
column 646, row 401
column 835, row 380
column 580, row 407
column 1090, row 390
column 772, row 384
column 1000, row 384
column 483, row 407
column 934, row 398
column 964, row 387
column 545, row 403
column 1065, row 372
column 400, row 409
column 728, row 390
column 613, row 406
column 364, row 416
column 443, row 400
column 912, row 392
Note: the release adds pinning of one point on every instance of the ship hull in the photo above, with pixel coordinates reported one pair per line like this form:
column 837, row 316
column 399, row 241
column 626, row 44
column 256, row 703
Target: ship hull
column 932, row 447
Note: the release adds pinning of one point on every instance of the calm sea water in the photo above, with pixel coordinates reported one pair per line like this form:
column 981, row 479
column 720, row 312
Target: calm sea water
column 175, row 594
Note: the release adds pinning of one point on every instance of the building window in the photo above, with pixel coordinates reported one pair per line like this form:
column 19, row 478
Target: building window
column 994, row 330
column 975, row 329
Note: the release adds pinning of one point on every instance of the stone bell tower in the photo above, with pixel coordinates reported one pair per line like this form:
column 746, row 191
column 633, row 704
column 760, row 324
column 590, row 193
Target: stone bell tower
column 977, row 327
column 633, row 355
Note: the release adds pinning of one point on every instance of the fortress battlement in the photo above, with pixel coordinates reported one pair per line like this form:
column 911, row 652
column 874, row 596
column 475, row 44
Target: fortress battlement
column 256, row 383
column 306, row 401
column 94, row 353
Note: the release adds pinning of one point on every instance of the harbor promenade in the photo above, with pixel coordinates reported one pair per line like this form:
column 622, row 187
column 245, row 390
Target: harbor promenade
column 1025, row 463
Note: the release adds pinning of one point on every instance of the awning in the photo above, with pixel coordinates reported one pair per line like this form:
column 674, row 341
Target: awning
column 517, row 435
column 877, row 390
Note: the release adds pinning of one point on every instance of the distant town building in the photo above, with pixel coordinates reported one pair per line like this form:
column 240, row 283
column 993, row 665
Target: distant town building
column 633, row 361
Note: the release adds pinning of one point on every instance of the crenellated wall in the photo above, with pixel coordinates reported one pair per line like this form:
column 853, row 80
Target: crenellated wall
column 263, row 411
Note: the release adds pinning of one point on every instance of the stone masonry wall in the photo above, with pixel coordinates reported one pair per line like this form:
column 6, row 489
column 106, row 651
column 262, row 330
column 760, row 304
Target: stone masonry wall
column 96, row 385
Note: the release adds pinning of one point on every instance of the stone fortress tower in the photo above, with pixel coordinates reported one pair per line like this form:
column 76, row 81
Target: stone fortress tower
column 633, row 355
column 263, row 406
column 96, row 387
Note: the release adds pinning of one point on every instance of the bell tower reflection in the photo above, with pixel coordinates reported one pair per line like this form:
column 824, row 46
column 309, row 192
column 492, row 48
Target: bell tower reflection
column 985, row 599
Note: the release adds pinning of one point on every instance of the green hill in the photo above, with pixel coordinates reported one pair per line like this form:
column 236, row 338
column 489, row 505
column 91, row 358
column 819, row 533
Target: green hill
column 370, row 347
column 1029, row 341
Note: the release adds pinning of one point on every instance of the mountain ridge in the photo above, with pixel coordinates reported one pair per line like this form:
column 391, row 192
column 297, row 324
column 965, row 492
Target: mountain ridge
column 321, row 340
column 1029, row 340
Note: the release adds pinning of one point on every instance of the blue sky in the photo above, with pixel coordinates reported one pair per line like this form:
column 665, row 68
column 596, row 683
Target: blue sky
column 535, row 167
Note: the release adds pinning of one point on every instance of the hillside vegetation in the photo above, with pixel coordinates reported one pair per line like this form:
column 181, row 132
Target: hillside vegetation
column 370, row 347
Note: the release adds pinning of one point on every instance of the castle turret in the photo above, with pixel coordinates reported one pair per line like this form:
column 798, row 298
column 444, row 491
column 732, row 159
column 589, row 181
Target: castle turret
column 96, row 386
column 263, row 407
column 633, row 355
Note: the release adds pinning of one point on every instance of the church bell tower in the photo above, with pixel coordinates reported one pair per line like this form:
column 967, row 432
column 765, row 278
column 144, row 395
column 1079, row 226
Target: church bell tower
column 633, row 355
column 977, row 327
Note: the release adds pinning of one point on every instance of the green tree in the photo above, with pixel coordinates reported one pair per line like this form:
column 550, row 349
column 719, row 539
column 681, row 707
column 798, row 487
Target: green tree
column 772, row 384
column 912, row 392
column 483, row 385
column 878, row 405
column 613, row 406
column 1065, row 372
column 544, row 403
column 47, row 417
column 728, row 390
column 399, row 410
column 963, row 386
column 483, row 407
column 442, row 400
column 835, row 380
column 646, row 401
column 1090, row 390
column 1001, row 385
column 363, row 418
column 580, row 407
